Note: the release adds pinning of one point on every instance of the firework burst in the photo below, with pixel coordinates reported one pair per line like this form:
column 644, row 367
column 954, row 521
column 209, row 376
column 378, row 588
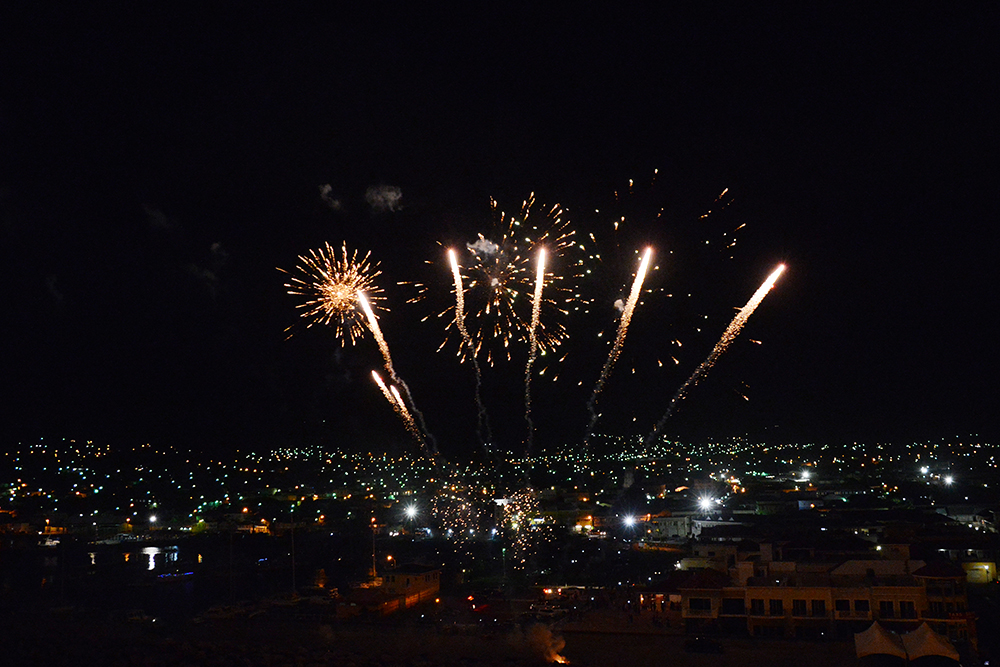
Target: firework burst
column 329, row 284
column 520, row 511
column 498, row 283
column 454, row 510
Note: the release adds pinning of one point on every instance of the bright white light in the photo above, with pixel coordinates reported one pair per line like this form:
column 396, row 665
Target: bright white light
column 152, row 518
column 923, row 470
column 948, row 480
column 630, row 521
column 805, row 474
column 411, row 511
column 706, row 503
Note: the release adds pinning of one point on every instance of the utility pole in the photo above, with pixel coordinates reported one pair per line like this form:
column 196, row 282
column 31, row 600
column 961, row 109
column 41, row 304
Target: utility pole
column 293, row 549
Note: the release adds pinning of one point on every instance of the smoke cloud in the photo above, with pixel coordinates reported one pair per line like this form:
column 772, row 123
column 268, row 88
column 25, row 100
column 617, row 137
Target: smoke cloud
column 326, row 194
column 383, row 198
column 483, row 247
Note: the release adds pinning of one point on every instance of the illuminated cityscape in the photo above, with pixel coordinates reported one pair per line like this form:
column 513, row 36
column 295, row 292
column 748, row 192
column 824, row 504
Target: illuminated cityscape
column 642, row 524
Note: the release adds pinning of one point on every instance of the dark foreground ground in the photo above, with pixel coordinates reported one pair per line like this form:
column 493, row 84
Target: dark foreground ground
column 275, row 639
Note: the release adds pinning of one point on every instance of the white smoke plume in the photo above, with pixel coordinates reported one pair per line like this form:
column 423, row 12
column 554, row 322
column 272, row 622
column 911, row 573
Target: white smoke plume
column 384, row 198
column 541, row 643
column 326, row 194
column 483, row 247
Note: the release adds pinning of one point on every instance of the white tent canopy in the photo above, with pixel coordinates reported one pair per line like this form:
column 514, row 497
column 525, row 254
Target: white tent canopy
column 876, row 640
column 924, row 641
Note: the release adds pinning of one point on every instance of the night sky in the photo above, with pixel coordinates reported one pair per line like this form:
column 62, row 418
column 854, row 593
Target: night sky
column 158, row 165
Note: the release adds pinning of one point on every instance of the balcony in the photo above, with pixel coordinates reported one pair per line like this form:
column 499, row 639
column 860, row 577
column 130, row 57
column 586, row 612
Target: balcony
column 847, row 615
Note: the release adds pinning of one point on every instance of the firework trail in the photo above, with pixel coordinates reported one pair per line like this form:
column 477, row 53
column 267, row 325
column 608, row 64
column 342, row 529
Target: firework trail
column 482, row 419
column 536, row 309
column 385, row 391
column 633, row 298
column 728, row 336
column 407, row 417
column 384, row 348
column 392, row 395
column 329, row 285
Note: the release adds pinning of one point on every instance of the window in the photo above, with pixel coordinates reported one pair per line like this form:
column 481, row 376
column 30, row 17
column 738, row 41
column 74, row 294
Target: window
column 798, row 607
column 757, row 607
column 885, row 609
column 907, row 609
column 776, row 608
column 861, row 606
column 819, row 608
column 700, row 604
column 842, row 605
column 733, row 606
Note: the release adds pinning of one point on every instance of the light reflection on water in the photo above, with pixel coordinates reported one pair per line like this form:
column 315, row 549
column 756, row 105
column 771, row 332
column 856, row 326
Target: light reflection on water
column 157, row 556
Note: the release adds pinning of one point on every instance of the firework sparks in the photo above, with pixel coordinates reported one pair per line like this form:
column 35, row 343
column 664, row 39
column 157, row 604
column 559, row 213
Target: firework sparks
column 396, row 401
column 377, row 332
column 384, row 390
column 520, row 510
column 411, row 426
column 536, row 309
column 497, row 283
column 329, row 285
column 482, row 419
column 454, row 510
column 616, row 349
column 387, row 357
column 728, row 336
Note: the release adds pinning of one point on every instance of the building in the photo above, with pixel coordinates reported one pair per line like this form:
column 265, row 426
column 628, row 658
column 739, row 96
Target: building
column 401, row 588
column 788, row 599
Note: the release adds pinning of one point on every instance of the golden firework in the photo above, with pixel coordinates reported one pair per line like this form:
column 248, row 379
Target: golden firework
column 329, row 283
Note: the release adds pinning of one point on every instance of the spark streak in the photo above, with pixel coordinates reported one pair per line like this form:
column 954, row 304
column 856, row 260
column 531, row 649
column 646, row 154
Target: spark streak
column 384, row 348
column 616, row 350
column 377, row 332
column 536, row 309
column 407, row 417
column 385, row 390
column 395, row 400
column 728, row 336
column 482, row 418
